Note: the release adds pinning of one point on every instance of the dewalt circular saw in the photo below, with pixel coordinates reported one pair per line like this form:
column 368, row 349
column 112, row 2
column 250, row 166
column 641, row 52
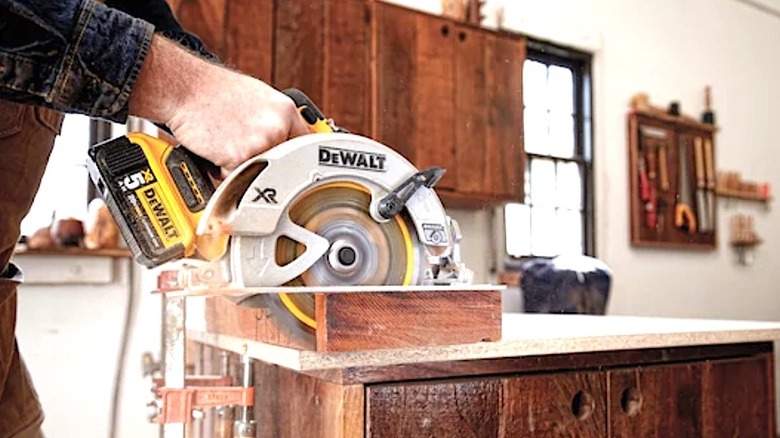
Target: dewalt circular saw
column 326, row 209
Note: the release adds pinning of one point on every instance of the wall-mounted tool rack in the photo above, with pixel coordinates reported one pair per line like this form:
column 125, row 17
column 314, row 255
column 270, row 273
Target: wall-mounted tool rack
column 672, row 180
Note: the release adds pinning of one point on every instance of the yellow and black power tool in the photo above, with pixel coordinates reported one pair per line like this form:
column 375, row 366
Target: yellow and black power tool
column 157, row 191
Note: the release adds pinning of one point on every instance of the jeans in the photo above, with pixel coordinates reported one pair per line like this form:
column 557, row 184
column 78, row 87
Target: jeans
column 26, row 138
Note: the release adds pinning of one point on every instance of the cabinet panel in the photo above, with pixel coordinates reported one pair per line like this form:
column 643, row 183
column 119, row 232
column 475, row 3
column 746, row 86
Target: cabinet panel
column 471, row 129
column 434, row 409
column 555, row 405
column 249, row 37
column 347, row 94
column 206, row 19
column 566, row 404
column 739, row 398
column 414, row 85
column 504, row 147
column 298, row 49
column 663, row 401
column 489, row 102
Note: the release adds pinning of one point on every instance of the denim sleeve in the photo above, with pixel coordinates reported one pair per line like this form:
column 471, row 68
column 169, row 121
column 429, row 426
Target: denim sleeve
column 75, row 56
column 159, row 14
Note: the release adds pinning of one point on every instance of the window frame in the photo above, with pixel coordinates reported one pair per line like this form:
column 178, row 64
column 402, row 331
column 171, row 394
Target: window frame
column 581, row 65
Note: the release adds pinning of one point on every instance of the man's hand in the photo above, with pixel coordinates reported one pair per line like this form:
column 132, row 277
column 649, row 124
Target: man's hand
column 221, row 115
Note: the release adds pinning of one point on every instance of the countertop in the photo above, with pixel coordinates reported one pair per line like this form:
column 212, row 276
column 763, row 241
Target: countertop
column 523, row 335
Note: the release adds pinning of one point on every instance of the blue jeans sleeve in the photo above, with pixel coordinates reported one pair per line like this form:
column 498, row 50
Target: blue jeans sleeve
column 75, row 56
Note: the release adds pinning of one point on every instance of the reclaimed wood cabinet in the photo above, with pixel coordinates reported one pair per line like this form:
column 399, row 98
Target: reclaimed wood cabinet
column 440, row 92
column 711, row 391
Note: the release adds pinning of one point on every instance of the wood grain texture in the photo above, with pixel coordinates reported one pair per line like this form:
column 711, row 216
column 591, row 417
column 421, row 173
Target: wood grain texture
column 224, row 317
column 293, row 405
column 415, row 87
column 739, row 398
column 558, row 405
column 299, row 59
column 249, row 37
column 347, row 92
column 661, row 401
column 471, row 101
column 206, row 19
column 504, row 146
column 348, row 322
column 261, row 318
column 468, row 408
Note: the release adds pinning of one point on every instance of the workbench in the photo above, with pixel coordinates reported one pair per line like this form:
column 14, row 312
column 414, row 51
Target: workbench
column 550, row 375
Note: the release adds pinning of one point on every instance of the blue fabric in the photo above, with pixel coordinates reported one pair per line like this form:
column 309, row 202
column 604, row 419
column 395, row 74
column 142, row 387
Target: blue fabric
column 567, row 284
column 71, row 55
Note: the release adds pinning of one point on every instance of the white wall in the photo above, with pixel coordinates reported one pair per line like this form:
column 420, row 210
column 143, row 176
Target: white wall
column 69, row 334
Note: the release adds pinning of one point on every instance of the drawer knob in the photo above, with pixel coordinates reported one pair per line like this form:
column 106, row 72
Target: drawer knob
column 631, row 401
column 582, row 405
column 445, row 30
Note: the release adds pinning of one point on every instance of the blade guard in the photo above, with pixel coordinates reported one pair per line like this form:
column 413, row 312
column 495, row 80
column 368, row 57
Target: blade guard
column 252, row 201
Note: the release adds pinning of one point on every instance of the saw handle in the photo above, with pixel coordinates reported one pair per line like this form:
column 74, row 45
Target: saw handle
column 312, row 115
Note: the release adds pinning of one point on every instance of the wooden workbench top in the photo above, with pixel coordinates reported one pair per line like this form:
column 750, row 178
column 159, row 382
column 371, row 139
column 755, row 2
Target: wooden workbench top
column 523, row 335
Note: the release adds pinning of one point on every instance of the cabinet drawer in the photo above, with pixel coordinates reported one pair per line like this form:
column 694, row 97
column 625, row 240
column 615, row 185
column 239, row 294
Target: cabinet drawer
column 566, row 404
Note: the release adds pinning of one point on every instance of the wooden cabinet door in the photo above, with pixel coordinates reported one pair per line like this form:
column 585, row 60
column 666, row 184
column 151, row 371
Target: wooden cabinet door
column 489, row 105
column 739, row 398
column 413, row 76
column 504, row 146
column 560, row 405
column 660, row 401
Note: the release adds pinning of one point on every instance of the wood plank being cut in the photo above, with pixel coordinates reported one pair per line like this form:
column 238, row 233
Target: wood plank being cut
column 381, row 319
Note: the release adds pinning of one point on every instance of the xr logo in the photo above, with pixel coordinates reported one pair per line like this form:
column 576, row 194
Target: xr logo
column 268, row 195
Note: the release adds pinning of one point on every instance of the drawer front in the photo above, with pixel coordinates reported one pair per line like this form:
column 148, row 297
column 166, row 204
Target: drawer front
column 739, row 398
column 660, row 401
column 566, row 404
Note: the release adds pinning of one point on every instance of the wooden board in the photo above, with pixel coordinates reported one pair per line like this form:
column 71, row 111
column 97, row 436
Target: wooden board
column 365, row 320
column 399, row 320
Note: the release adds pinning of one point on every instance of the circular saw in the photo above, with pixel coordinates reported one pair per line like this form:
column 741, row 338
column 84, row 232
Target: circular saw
column 327, row 209
column 332, row 209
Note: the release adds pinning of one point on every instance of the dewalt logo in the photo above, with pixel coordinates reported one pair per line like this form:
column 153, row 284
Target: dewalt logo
column 160, row 215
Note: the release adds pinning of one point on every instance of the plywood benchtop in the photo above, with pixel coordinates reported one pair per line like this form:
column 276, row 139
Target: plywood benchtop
column 523, row 335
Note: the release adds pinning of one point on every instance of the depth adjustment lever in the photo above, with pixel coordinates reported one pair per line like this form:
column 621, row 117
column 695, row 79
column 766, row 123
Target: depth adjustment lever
column 394, row 202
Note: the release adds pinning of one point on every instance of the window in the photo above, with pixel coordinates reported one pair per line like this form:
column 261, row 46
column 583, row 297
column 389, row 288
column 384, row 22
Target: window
column 557, row 215
column 65, row 189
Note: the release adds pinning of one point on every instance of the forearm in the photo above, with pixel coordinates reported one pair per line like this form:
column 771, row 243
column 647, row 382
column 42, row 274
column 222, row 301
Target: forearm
column 170, row 75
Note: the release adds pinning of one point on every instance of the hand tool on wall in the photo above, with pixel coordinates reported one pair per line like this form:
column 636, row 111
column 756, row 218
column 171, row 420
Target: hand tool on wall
column 654, row 141
column 646, row 194
column 663, row 167
column 702, row 210
column 709, row 169
column 684, row 218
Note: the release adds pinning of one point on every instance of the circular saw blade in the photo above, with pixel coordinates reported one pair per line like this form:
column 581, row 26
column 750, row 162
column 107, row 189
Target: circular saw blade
column 362, row 251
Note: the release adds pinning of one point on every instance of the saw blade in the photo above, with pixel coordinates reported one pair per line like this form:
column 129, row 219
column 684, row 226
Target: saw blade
column 362, row 251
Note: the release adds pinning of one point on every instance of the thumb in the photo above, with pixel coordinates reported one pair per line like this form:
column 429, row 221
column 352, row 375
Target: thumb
column 298, row 126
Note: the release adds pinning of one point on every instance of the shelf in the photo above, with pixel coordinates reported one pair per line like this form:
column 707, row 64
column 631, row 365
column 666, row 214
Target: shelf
column 726, row 193
column 679, row 120
column 73, row 251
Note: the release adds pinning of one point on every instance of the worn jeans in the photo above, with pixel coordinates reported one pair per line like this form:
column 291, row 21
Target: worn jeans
column 26, row 139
